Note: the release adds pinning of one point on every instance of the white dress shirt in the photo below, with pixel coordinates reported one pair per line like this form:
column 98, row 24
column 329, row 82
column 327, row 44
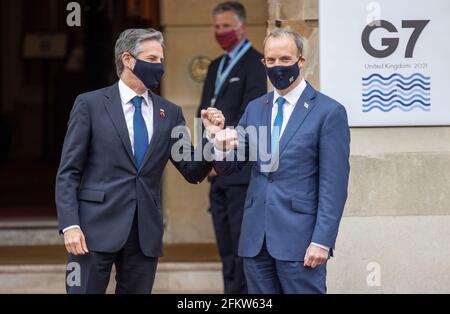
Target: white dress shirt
column 291, row 101
column 126, row 95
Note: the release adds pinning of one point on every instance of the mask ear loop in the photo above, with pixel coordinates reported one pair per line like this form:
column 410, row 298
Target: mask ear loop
column 132, row 55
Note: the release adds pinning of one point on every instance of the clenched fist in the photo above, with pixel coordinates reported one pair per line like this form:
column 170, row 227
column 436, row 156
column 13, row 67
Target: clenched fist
column 315, row 256
column 226, row 139
column 213, row 121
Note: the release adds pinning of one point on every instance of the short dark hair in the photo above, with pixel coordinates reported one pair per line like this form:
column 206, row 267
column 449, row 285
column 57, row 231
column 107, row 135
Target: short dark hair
column 281, row 32
column 234, row 6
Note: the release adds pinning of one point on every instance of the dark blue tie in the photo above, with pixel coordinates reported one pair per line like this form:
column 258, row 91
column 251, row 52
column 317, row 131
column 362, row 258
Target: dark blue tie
column 225, row 64
column 140, row 131
column 276, row 130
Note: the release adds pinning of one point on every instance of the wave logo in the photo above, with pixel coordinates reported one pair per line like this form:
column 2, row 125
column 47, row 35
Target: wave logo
column 396, row 91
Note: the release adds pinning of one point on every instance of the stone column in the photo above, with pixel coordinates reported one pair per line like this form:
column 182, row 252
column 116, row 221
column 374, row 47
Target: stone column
column 188, row 32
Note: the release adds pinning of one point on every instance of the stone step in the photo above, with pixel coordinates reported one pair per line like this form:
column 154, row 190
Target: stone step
column 29, row 232
column 33, row 257
column 173, row 278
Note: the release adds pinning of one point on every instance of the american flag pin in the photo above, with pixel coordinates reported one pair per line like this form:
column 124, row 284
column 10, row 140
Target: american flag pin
column 266, row 102
column 162, row 113
column 306, row 105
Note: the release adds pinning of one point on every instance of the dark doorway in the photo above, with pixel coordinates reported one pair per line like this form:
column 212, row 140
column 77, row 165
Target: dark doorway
column 45, row 64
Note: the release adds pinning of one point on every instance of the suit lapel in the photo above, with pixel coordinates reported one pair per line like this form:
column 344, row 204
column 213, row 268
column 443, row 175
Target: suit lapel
column 266, row 120
column 237, row 67
column 298, row 116
column 113, row 106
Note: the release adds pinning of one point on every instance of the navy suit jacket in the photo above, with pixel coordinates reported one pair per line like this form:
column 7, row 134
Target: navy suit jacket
column 303, row 200
column 246, row 81
column 98, row 185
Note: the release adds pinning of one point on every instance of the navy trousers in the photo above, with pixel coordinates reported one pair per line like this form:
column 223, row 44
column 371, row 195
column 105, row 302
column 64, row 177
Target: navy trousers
column 266, row 275
column 135, row 272
column 227, row 209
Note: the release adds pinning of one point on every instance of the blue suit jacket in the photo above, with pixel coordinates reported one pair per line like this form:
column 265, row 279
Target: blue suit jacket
column 303, row 200
column 98, row 185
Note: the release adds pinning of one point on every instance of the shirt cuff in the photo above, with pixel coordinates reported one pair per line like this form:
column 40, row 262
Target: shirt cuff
column 208, row 137
column 321, row 246
column 71, row 227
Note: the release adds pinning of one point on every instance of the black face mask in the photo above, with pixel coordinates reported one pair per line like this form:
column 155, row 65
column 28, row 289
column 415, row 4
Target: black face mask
column 283, row 76
column 149, row 73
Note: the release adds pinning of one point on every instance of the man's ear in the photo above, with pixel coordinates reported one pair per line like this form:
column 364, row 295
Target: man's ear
column 242, row 30
column 127, row 60
column 263, row 62
column 302, row 61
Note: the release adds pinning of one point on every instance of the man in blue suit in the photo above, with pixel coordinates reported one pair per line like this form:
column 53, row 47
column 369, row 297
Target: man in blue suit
column 118, row 142
column 296, row 199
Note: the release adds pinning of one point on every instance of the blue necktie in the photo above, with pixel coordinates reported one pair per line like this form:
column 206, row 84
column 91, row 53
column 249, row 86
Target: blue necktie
column 140, row 131
column 276, row 130
column 225, row 64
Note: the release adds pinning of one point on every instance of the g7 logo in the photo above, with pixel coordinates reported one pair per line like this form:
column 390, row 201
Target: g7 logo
column 391, row 44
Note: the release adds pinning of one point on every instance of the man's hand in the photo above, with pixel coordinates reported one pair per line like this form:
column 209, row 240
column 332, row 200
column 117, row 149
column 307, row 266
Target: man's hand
column 226, row 140
column 213, row 173
column 315, row 256
column 75, row 242
column 213, row 121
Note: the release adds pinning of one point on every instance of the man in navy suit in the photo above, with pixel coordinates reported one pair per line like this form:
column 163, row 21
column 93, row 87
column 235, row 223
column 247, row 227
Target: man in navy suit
column 296, row 197
column 118, row 142
column 233, row 80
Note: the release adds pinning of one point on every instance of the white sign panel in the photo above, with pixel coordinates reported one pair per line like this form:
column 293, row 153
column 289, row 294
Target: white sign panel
column 387, row 61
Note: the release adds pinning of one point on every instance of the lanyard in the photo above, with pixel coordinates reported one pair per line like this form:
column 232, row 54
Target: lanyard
column 221, row 77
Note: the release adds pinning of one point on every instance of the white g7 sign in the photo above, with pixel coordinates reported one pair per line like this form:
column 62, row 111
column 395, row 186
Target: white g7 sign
column 391, row 43
column 387, row 61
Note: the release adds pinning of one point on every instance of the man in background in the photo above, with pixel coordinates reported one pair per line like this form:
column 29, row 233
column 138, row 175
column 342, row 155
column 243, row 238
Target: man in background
column 233, row 80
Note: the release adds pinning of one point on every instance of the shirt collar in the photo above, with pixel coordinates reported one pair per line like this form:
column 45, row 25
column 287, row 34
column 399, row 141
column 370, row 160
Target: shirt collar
column 293, row 96
column 127, row 94
column 232, row 54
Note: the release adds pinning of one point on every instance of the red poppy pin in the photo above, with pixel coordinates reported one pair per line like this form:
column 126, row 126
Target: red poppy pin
column 162, row 113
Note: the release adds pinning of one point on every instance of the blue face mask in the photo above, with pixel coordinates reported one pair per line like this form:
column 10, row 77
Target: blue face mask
column 149, row 73
column 283, row 76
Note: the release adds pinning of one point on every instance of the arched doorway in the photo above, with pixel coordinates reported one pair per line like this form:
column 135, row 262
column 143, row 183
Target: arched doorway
column 45, row 64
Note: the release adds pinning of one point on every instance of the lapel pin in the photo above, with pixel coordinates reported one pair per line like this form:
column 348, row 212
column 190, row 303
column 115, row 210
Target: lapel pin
column 266, row 102
column 306, row 105
column 162, row 113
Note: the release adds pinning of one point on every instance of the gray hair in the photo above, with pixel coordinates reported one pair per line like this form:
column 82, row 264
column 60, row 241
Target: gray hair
column 233, row 6
column 282, row 32
column 130, row 41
